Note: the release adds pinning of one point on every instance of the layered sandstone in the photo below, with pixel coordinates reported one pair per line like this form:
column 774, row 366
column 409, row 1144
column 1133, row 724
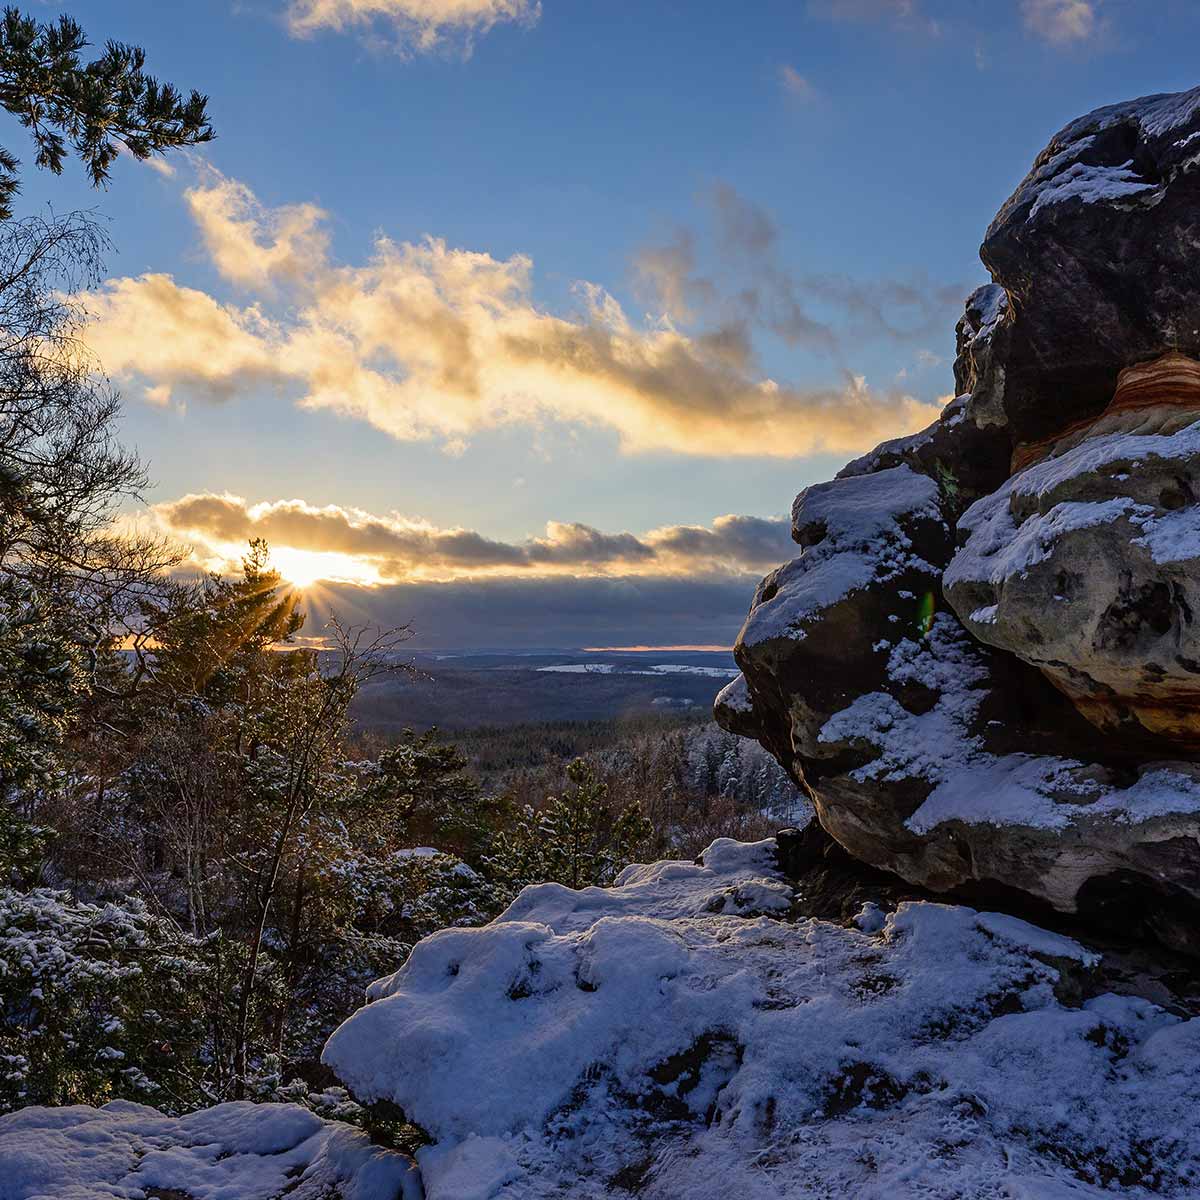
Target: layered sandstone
column 984, row 664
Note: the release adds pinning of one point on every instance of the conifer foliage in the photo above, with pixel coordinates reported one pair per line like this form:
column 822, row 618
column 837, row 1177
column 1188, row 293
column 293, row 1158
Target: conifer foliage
column 94, row 108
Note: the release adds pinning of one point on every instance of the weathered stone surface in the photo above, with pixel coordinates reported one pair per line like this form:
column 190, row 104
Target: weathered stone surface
column 1087, row 565
column 1160, row 396
column 1040, row 745
column 1095, row 249
column 871, row 549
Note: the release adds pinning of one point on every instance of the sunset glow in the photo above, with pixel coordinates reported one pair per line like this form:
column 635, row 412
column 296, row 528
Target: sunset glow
column 498, row 406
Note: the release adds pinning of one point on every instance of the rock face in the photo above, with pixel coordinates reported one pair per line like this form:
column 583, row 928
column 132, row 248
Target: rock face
column 984, row 665
column 1095, row 250
column 1086, row 566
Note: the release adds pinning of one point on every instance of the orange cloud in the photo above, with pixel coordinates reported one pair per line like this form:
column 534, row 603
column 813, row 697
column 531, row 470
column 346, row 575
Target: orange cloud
column 421, row 25
column 1061, row 22
column 357, row 546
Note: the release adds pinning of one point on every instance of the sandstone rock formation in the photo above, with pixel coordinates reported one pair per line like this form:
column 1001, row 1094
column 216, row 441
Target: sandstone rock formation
column 984, row 665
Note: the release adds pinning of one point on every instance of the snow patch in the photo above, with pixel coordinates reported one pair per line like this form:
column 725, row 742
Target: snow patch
column 642, row 1041
column 862, row 540
column 968, row 783
column 242, row 1150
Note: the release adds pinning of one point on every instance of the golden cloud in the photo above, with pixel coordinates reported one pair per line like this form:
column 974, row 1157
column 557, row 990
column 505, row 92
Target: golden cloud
column 1061, row 22
column 426, row 341
column 348, row 544
column 419, row 24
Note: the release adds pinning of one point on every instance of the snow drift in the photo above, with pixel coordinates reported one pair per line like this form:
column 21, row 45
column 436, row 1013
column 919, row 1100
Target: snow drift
column 679, row 1035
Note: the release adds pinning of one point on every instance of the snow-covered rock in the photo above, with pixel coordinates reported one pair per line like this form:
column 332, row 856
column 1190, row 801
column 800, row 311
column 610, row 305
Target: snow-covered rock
column 1006, row 703
column 235, row 1151
column 1095, row 252
column 868, row 543
column 680, row 1035
column 1087, row 564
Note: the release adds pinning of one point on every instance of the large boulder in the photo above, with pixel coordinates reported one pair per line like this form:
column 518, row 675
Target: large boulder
column 1087, row 564
column 984, row 664
column 1096, row 251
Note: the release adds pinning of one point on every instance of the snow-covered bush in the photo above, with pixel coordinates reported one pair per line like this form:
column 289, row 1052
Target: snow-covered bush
column 96, row 1002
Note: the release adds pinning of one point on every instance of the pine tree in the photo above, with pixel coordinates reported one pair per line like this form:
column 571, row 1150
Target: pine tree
column 575, row 839
column 94, row 108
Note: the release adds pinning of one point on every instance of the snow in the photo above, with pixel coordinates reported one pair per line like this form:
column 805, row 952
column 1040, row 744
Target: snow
column 657, row 669
column 1172, row 536
column 969, row 784
column 861, row 509
column 736, row 696
column 648, row 1042
column 1091, row 184
column 991, row 301
column 1157, row 115
column 999, row 547
column 474, row 1169
column 863, row 540
column 1037, row 941
column 683, row 669
column 1096, row 454
column 1062, row 176
column 235, row 1151
column 867, row 464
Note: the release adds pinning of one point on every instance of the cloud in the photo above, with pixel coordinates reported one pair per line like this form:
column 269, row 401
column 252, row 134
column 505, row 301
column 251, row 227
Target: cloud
column 795, row 84
column 426, row 341
column 1061, row 22
column 179, row 337
column 570, row 611
column 414, row 25
column 369, row 549
column 815, row 311
column 250, row 245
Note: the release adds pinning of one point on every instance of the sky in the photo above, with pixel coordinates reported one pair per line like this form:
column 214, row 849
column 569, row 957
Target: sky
column 526, row 322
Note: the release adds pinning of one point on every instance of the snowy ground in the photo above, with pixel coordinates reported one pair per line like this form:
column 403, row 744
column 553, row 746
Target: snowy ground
column 230, row 1152
column 679, row 1036
column 683, row 1036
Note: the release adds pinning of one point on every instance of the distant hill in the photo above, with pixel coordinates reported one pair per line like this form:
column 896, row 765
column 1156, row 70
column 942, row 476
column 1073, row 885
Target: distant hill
column 466, row 691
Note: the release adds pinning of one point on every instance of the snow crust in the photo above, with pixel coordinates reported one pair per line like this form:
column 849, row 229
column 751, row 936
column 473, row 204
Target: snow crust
column 866, row 464
column 968, row 783
column 863, row 519
column 1158, row 115
column 651, row 1042
column 991, row 302
column 235, row 1151
column 1090, row 184
column 999, row 546
column 1064, row 177
column 736, row 696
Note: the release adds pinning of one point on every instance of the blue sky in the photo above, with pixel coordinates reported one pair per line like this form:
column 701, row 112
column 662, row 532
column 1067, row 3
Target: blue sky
column 787, row 192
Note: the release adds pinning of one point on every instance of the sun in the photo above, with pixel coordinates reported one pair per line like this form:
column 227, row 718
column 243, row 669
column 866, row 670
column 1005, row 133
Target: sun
column 303, row 569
